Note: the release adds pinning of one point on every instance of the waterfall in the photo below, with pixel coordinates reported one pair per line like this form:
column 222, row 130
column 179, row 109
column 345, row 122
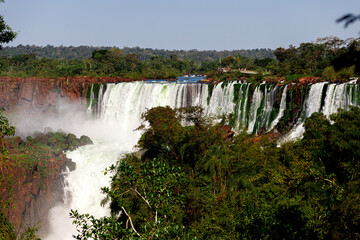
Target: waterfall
column 336, row 96
column 242, row 102
column 312, row 104
column 262, row 108
column 91, row 98
column 257, row 99
column 281, row 110
column 221, row 101
column 234, row 97
column 117, row 110
column 339, row 96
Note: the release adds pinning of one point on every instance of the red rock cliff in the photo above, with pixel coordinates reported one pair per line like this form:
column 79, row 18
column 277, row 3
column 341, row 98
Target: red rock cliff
column 41, row 93
column 30, row 179
column 25, row 195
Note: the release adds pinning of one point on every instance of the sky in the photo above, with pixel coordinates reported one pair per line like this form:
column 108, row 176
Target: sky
column 177, row 24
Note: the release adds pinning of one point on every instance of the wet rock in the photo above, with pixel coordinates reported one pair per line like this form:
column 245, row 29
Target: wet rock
column 85, row 140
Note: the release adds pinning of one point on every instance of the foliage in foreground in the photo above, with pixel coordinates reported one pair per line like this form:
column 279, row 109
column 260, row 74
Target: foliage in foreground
column 239, row 189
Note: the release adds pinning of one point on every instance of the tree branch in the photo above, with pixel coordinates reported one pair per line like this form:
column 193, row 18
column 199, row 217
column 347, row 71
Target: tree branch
column 147, row 202
column 124, row 192
column 131, row 223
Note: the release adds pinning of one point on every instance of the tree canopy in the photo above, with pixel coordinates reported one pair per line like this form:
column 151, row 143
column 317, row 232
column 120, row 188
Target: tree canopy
column 6, row 34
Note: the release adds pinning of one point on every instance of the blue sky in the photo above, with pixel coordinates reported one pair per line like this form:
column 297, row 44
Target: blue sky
column 177, row 24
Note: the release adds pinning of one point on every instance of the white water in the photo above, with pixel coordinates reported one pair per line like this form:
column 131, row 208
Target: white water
column 221, row 101
column 256, row 102
column 281, row 110
column 242, row 119
column 312, row 104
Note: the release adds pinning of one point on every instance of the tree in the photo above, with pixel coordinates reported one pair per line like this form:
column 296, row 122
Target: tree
column 6, row 34
column 350, row 58
column 348, row 19
column 228, row 61
column 146, row 202
column 5, row 130
column 168, row 138
column 131, row 61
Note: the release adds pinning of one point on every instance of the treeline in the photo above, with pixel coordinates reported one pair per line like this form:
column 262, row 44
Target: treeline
column 329, row 58
column 321, row 58
column 83, row 52
column 114, row 62
column 198, row 182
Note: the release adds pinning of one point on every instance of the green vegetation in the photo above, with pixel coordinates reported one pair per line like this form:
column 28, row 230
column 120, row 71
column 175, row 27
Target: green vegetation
column 5, row 130
column 134, row 63
column 192, row 182
column 83, row 52
column 6, row 229
column 316, row 59
column 327, row 58
column 6, row 33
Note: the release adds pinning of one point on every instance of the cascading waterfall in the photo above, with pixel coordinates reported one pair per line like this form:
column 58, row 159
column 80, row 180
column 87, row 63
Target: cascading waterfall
column 118, row 112
column 252, row 114
column 264, row 120
column 312, row 104
column 336, row 96
column 262, row 108
column 221, row 101
column 242, row 102
column 91, row 98
column 257, row 99
column 281, row 110
column 340, row 96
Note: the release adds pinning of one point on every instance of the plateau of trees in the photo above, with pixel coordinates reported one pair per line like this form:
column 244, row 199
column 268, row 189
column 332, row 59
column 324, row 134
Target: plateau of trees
column 192, row 182
column 111, row 62
column 326, row 58
column 128, row 63
column 83, row 52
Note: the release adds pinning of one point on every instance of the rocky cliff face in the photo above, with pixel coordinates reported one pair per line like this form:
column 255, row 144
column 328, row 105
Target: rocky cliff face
column 30, row 177
column 42, row 94
column 25, row 193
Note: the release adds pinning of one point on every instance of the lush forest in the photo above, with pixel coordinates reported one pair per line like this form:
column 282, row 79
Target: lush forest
column 82, row 52
column 194, row 181
column 115, row 62
column 327, row 58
